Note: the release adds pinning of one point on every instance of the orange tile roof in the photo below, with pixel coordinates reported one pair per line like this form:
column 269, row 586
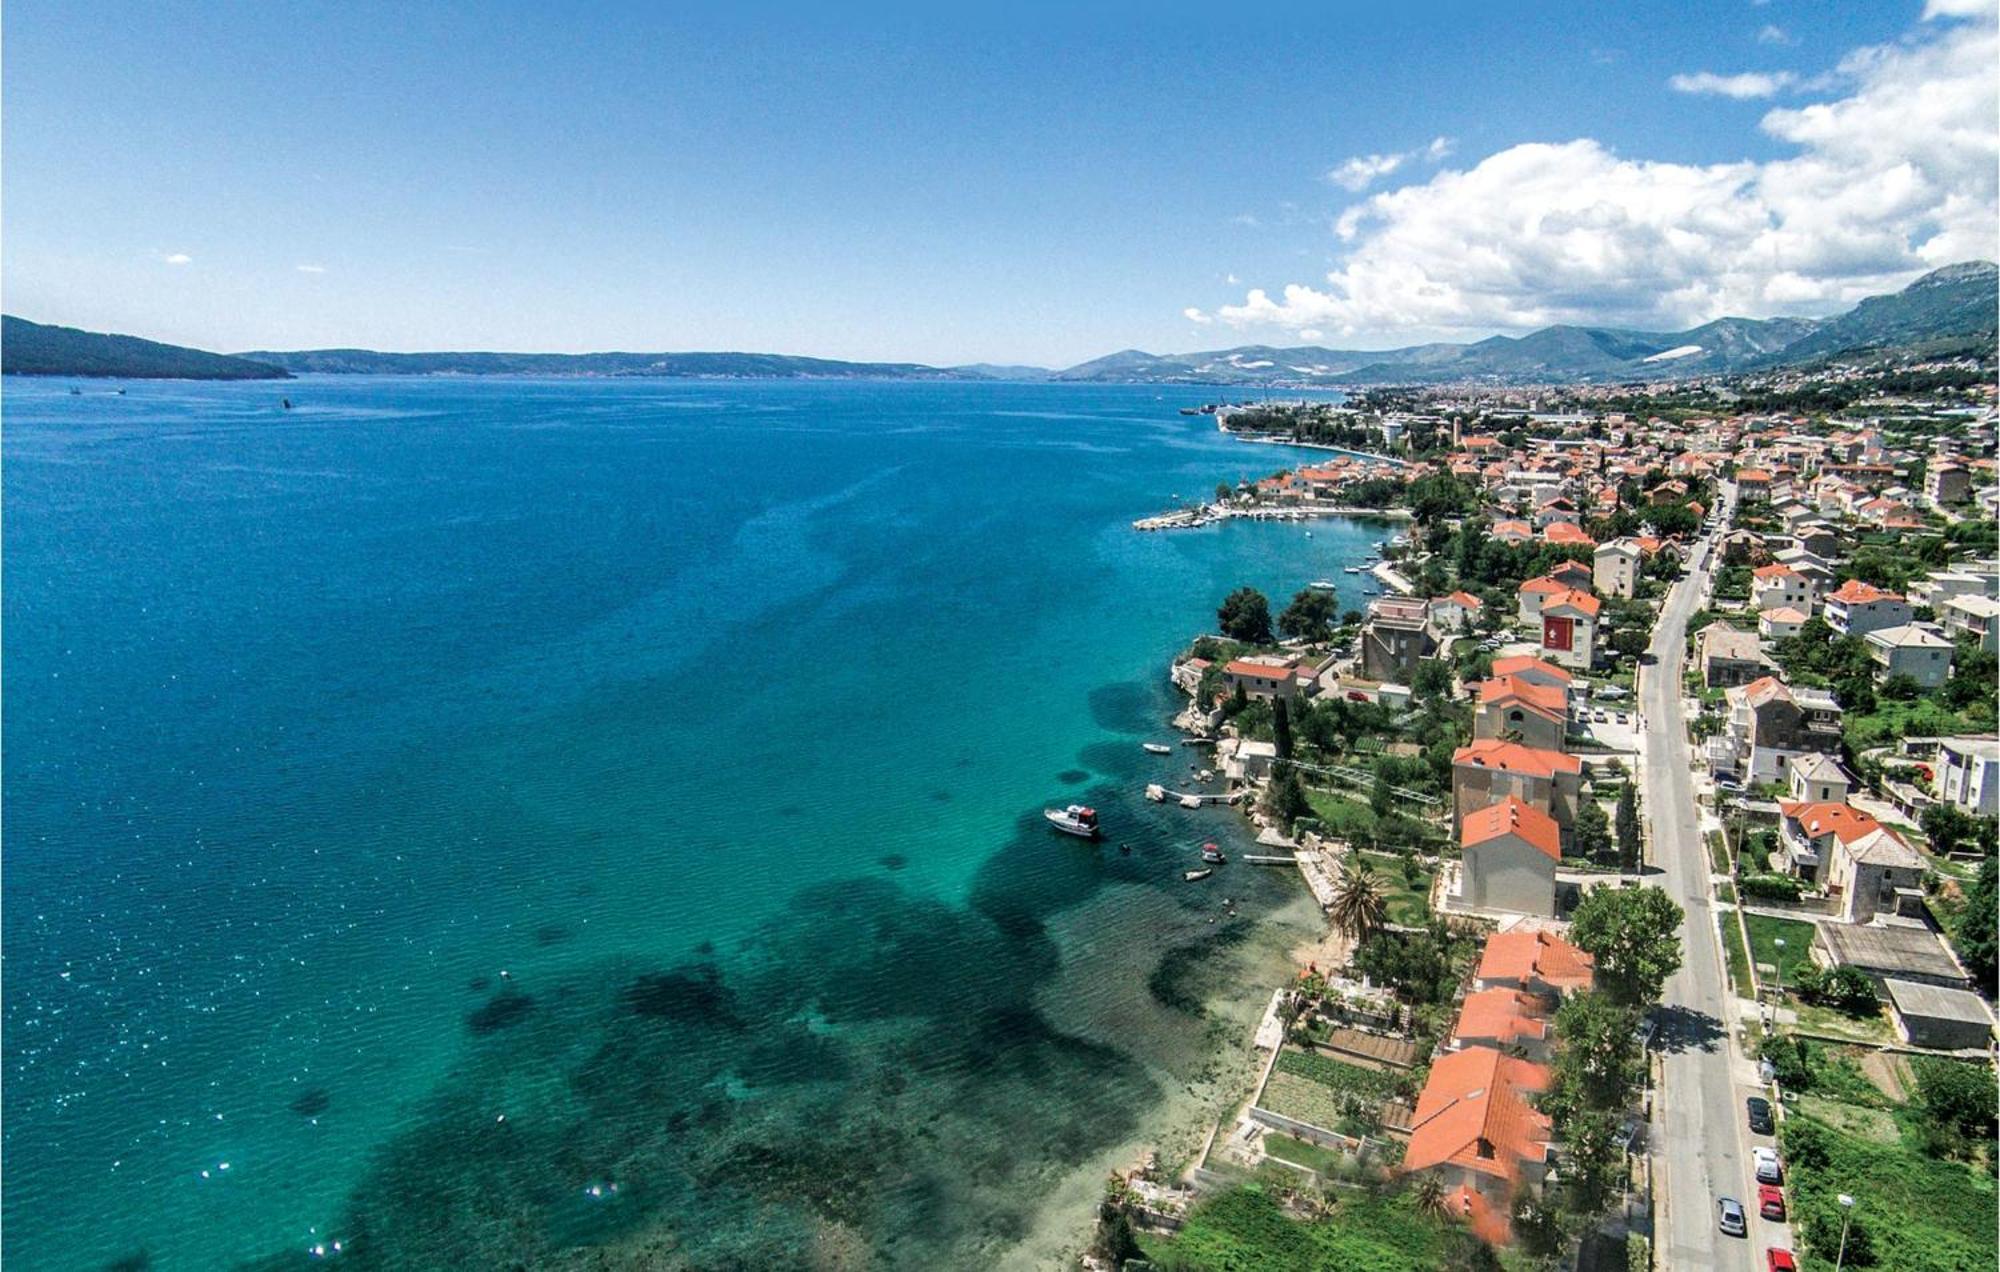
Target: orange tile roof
column 1549, row 699
column 1751, row 474
column 1544, row 584
column 1522, row 957
column 1467, row 600
column 1518, row 529
column 1501, row 1015
column 1474, row 1114
column 1562, row 532
column 1518, row 663
column 1514, row 757
column 1855, row 592
column 1784, row 614
column 1843, row 821
column 1261, row 671
column 1574, row 598
column 1774, row 572
column 1512, row 816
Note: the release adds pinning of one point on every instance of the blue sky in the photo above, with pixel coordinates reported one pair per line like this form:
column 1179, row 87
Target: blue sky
column 1042, row 186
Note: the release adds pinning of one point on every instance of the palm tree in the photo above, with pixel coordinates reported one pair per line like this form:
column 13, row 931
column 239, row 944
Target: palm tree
column 1429, row 1195
column 1358, row 907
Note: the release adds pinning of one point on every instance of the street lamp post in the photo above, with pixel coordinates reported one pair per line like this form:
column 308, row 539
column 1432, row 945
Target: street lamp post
column 1846, row 1214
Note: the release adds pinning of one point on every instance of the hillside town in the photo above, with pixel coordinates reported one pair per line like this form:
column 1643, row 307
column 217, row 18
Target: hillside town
column 1651, row 804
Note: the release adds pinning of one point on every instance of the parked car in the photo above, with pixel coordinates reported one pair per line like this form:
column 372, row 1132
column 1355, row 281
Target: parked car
column 1780, row 1260
column 1760, row 1115
column 1771, row 1201
column 1768, row 1169
column 1729, row 1217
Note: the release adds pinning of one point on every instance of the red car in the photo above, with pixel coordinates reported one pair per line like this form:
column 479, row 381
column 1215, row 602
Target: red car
column 1781, row 1260
column 1771, row 1201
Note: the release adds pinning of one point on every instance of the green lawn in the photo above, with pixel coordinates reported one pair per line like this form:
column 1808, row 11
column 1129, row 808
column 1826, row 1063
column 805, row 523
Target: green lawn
column 1797, row 936
column 1725, row 892
column 1292, row 1149
column 1245, row 1230
column 1737, row 957
column 1406, row 904
column 1340, row 815
column 1921, row 1213
column 1718, row 852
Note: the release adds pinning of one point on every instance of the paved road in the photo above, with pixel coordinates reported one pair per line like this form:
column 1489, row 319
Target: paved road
column 1703, row 1149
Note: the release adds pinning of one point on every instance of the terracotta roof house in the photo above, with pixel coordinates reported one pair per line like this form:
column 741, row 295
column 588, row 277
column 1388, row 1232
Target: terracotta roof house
column 1563, row 534
column 1569, row 628
column 1780, row 623
column 1864, row 865
column 1508, row 854
column 1779, row 586
column 1477, row 1130
column 1262, row 679
column 1856, row 608
column 1532, row 595
column 1487, row 771
column 1513, row 531
column 1539, row 962
column 1517, row 709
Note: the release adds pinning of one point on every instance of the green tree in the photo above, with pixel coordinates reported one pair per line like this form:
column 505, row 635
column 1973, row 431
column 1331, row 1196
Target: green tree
column 1598, row 1064
column 1287, row 798
column 1309, row 617
column 1634, row 934
column 1428, row 1195
column 1246, row 616
column 1224, row 492
column 1433, row 679
column 1593, row 830
column 1381, row 800
column 1958, row 1095
column 1626, row 818
column 1281, row 728
column 1358, row 908
column 1977, row 943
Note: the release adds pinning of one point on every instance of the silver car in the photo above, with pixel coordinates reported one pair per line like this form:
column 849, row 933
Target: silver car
column 1729, row 1216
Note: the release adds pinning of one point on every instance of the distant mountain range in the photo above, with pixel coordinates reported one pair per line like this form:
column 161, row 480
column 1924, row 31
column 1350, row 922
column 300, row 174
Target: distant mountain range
column 1947, row 310
column 1951, row 310
column 30, row 348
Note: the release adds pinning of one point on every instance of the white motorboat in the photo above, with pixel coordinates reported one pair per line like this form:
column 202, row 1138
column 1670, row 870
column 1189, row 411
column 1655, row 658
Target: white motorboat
column 1193, row 875
column 1212, row 854
column 1158, row 748
column 1074, row 820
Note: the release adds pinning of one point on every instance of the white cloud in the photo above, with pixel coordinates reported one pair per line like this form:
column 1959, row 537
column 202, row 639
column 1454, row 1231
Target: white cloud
column 1360, row 172
column 1742, row 87
column 1771, row 33
column 177, row 258
column 1958, row 9
column 1195, row 315
column 1231, row 279
column 310, row 269
column 1895, row 177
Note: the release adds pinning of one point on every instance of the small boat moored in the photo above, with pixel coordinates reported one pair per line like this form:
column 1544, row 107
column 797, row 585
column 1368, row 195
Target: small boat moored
column 1212, row 854
column 1074, row 820
column 1320, row 585
column 1158, row 748
column 1193, row 875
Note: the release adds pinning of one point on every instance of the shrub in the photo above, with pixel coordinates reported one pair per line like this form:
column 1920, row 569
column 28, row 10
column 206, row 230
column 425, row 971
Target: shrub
column 1769, row 887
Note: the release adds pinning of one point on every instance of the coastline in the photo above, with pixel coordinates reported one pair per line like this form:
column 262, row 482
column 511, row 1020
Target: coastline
column 1192, row 1104
column 1260, row 440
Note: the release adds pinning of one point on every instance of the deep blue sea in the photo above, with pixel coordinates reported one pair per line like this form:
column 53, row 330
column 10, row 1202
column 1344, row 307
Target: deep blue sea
column 491, row 822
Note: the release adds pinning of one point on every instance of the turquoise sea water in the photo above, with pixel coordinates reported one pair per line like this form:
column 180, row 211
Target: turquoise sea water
column 503, row 819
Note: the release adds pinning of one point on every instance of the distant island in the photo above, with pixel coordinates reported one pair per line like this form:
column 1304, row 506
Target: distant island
column 1946, row 313
column 32, row 348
